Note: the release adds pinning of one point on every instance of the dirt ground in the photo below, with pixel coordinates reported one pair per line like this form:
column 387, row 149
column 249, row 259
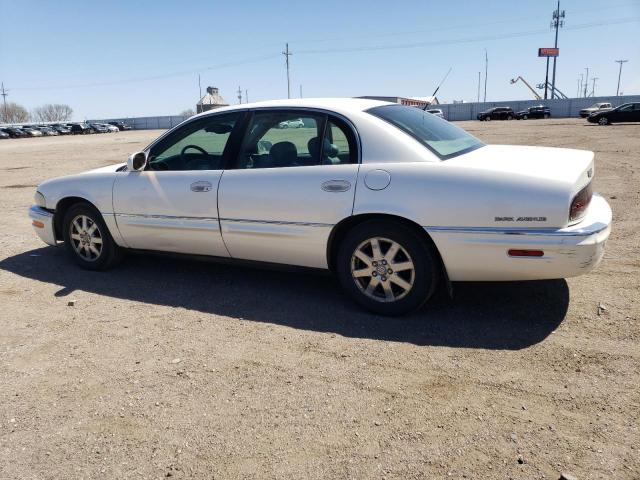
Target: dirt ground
column 174, row 368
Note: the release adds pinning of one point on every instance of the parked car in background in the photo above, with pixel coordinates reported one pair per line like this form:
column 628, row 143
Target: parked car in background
column 628, row 112
column 79, row 128
column 31, row 132
column 14, row 132
column 4, row 135
column 61, row 129
column 497, row 113
column 98, row 128
column 436, row 111
column 47, row 131
column 111, row 128
column 295, row 123
column 120, row 125
column 539, row 111
column 393, row 200
column 585, row 112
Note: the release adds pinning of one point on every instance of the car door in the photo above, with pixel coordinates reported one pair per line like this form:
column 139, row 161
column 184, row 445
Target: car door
column 288, row 187
column 172, row 204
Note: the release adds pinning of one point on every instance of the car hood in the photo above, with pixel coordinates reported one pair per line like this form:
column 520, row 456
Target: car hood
column 564, row 165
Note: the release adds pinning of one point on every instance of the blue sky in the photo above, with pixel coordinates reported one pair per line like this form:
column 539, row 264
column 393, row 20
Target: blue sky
column 133, row 58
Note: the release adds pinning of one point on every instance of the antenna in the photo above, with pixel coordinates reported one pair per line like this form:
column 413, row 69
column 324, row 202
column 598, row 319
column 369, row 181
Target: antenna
column 438, row 87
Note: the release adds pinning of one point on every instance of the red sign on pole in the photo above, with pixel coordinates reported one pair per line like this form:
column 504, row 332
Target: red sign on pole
column 548, row 52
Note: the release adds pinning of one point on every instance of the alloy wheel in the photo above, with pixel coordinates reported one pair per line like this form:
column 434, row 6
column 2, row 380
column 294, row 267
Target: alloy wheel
column 86, row 238
column 382, row 269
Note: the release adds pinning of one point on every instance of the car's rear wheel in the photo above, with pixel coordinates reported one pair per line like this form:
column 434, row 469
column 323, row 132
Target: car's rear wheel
column 603, row 121
column 487, row 118
column 387, row 267
column 546, row 115
column 87, row 238
column 524, row 117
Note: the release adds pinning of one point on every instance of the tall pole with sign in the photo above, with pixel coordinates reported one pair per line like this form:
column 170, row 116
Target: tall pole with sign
column 556, row 22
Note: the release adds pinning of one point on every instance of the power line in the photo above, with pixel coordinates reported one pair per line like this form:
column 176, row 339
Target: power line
column 619, row 75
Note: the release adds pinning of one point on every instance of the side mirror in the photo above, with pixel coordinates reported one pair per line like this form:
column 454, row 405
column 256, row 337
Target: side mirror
column 137, row 162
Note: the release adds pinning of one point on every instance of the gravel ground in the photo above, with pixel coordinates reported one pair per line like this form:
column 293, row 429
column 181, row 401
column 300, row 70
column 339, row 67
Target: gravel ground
column 174, row 368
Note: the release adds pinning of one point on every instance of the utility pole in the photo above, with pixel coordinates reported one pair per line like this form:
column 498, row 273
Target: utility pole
column 199, row 87
column 619, row 75
column 300, row 90
column 246, row 96
column 478, row 87
column 239, row 95
column 556, row 22
column 486, row 70
column 546, row 80
column 4, row 101
column 287, row 54
column 593, row 89
column 586, row 81
column 579, row 85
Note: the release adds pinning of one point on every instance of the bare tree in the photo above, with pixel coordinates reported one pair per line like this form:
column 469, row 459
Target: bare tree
column 188, row 113
column 13, row 113
column 52, row 113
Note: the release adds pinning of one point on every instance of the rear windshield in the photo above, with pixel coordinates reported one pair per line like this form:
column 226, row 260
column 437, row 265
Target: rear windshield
column 441, row 137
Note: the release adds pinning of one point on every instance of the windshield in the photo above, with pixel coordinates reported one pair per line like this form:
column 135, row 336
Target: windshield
column 441, row 137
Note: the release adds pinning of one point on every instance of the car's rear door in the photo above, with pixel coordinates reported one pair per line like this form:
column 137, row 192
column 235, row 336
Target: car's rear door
column 288, row 188
column 172, row 205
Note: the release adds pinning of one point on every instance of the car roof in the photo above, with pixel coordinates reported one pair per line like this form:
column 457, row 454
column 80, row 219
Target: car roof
column 343, row 106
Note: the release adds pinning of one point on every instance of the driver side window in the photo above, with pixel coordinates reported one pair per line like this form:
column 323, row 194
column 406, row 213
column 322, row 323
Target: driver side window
column 198, row 145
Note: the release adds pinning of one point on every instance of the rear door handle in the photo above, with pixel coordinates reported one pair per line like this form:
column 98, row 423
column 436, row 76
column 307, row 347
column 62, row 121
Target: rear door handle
column 335, row 186
column 201, row 186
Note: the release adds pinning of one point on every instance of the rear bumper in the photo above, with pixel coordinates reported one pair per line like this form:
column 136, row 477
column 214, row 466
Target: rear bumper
column 42, row 221
column 480, row 254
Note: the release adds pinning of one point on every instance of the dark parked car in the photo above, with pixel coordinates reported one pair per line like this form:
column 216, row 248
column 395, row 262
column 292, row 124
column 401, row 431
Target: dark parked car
column 31, row 131
column 497, row 113
column 14, row 132
column 61, row 129
column 628, row 112
column 121, row 125
column 98, row 128
column 539, row 111
column 79, row 128
column 3, row 135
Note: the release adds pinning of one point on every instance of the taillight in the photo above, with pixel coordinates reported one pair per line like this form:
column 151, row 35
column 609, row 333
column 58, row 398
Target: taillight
column 580, row 203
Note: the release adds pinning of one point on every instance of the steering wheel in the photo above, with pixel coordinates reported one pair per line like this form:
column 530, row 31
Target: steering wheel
column 195, row 147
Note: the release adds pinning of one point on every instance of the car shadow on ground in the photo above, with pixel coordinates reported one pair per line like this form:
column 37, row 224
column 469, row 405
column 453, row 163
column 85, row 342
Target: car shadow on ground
column 505, row 315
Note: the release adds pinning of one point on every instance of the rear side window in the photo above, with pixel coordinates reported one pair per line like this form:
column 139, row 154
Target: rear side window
column 441, row 137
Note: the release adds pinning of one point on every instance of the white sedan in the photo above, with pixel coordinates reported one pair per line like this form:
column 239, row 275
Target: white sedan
column 392, row 199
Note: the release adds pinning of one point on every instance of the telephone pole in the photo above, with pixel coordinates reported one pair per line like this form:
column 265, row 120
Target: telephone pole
column 586, row 81
column 239, row 95
column 300, row 90
column 199, row 86
column 619, row 75
column 579, row 85
column 478, row 87
column 4, row 101
column 486, row 70
column 287, row 54
column 246, row 96
column 556, row 22
column 593, row 89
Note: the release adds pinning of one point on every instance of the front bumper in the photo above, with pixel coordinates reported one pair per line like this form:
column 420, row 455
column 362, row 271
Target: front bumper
column 480, row 254
column 42, row 221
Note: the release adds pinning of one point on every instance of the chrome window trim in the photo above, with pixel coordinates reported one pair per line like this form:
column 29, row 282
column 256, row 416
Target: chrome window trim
column 236, row 220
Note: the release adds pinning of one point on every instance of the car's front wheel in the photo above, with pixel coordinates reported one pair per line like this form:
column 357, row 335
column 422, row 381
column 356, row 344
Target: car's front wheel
column 603, row 121
column 87, row 238
column 387, row 267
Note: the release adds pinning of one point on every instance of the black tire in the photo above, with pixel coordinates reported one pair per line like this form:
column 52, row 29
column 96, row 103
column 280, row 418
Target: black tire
column 547, row 115
column 524, row 117
column 603, row 121
column 109, row 253
column 426, row 271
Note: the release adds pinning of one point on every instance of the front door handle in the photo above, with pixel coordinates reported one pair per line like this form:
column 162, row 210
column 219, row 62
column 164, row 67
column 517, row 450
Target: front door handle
column 335, row 186
column 201, row 186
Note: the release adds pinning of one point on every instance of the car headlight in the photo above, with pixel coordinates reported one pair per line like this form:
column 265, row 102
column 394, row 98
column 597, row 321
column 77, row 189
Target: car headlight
column 40, row 200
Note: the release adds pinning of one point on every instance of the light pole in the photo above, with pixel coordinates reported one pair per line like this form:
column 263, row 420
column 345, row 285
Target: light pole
column 619, row 75
column 557, row 22
column 486, row 69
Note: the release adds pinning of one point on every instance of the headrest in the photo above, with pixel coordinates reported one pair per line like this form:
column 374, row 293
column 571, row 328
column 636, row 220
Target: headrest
column 328, row 148
column 284, row 153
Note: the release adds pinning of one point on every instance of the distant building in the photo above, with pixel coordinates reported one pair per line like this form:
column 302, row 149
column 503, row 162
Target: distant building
column 411, row 101
column 210, row 101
